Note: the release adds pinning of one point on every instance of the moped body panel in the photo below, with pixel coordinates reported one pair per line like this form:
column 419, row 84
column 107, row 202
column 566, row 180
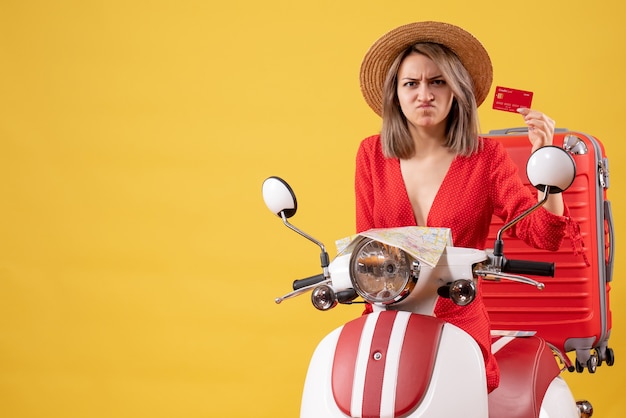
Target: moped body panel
column 455, row 384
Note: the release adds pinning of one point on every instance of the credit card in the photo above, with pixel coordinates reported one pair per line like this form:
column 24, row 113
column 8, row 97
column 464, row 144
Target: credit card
column 510, row 100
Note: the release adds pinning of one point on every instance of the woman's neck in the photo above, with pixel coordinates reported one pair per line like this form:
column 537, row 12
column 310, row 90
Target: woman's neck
column 428, row 141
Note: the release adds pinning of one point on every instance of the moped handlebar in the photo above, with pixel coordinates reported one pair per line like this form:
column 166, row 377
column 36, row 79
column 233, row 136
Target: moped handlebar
column 308, row 281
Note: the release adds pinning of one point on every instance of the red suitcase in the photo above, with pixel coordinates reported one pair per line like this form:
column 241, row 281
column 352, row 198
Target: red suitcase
column 573, row 312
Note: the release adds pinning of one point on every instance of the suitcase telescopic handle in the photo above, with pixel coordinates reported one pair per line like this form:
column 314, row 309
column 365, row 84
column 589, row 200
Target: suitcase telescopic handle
column 608, row 215
column 535, row 268
column 521, row 129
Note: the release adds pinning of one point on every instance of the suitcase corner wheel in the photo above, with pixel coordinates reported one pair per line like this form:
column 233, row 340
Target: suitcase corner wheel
column 591, row 360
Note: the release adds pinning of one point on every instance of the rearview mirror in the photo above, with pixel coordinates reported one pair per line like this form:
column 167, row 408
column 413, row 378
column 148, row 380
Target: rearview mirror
column 279, row 197
column 551, row 166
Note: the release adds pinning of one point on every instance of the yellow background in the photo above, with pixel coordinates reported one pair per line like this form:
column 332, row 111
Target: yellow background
column 138, row 263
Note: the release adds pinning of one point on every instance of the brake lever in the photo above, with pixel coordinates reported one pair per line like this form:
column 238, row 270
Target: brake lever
column 300, row 291
column 497, row 276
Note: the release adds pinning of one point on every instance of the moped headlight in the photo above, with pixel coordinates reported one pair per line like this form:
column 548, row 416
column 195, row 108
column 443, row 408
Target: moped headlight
column 382, row 274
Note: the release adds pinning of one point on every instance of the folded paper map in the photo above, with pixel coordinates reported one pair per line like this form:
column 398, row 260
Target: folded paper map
column 423, row 243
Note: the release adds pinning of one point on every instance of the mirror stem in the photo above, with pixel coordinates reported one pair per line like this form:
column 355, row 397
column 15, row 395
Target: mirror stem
column 498, row 246
column 324, row 258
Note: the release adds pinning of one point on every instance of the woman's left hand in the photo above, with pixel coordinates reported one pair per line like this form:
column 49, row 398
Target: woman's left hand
column 540, row 127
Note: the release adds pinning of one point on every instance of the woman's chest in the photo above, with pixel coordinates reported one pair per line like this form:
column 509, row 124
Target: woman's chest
column 423, row 180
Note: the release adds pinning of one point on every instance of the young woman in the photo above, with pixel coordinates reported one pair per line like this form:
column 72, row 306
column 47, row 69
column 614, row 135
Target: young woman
column 430, row 167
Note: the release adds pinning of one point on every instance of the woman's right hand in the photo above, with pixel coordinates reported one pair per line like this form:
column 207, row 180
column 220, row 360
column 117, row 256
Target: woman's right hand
column 540, row 127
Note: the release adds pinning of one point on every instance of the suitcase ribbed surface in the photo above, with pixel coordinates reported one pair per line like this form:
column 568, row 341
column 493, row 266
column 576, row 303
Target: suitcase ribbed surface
column 572, row 312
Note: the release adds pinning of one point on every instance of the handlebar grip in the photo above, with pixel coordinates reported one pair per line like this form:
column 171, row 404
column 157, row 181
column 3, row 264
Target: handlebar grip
column 300, row 283
column 536, row 268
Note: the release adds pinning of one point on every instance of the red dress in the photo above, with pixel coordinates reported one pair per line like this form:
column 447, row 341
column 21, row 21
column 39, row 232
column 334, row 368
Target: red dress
column 475, row 188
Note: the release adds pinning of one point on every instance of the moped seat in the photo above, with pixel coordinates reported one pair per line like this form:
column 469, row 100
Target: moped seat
column 527, row 367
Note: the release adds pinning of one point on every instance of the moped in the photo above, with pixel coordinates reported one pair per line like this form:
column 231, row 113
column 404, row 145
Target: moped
column 401, row 360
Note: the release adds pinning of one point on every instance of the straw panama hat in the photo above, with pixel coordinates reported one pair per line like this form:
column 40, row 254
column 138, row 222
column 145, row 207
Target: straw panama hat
column 384, row 51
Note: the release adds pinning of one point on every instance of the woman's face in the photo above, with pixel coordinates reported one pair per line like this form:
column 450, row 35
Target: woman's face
column 425, row 97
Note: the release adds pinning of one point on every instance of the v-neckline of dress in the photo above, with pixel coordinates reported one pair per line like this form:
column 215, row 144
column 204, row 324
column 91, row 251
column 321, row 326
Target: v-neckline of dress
column 435, row 199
